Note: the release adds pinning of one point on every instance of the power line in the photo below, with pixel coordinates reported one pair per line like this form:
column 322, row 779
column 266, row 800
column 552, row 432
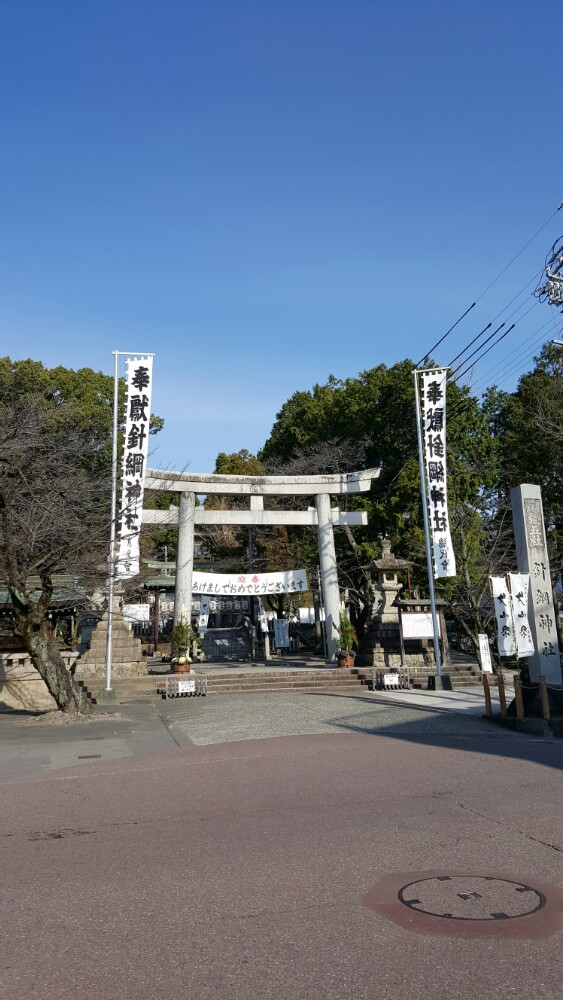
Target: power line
column 505, row 371
column 499, row 369
column 464, row 372
column 505, row 334
column 494, row 319
column 493, row 282
column 456, row 375
column 447, row 333
column 521, row 251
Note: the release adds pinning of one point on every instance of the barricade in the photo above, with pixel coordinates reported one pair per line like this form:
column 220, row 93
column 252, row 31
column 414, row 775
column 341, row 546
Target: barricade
column 385, row 680
column 184, row 686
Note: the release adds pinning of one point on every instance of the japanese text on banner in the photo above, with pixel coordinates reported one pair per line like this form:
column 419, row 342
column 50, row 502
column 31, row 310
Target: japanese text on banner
column 135, row 451
column 433, row 419
column 503, row 612
column 519, row 587
column 259, row 584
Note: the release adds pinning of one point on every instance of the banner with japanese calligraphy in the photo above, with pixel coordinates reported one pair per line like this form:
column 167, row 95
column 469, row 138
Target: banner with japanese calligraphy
column 203, row 621
column 503, row 612
column 288, row 582
column 433, row 422
column 135, row 451
column 519, row 587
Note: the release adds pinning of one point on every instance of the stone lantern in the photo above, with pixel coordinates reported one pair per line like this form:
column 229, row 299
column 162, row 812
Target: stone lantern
column 387, row 583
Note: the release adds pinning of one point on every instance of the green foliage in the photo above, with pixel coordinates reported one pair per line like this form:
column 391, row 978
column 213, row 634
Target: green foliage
column 238, row 463
column 183, row 639
column 348, row 638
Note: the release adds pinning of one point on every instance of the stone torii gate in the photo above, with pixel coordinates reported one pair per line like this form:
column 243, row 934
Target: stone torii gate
column 187, row 515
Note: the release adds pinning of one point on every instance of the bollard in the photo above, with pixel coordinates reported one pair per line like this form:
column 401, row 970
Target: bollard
column 518, row 697
column 501, row 693
column 487, row 690
column 544, row 699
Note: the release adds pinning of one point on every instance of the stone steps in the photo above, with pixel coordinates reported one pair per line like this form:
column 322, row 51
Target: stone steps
column 331, row 681
column 136, row 688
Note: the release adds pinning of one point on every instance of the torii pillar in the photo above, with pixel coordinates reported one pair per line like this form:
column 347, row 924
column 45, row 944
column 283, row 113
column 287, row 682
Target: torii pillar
column 184, row 559
column 329, row 574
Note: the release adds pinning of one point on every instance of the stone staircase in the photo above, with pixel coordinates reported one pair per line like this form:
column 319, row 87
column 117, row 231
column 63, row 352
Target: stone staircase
column 153, row 685
column 330, row 681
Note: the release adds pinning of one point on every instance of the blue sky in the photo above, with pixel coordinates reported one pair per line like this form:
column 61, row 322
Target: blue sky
column 264, row 193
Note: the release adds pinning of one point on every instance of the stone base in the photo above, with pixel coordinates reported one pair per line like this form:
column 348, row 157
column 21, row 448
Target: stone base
column 107, row 697
column 440, row 682
column 126, row 660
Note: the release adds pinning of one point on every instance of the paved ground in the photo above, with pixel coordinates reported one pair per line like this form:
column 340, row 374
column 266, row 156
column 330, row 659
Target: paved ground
column 229, row 846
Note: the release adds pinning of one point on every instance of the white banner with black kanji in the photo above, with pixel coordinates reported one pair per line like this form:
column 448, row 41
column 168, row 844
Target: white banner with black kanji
column 503, row 611
column 519, row 587
column 135, row 452
column 433, row 423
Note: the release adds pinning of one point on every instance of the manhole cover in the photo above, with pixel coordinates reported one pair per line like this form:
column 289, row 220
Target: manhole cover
column 471, row 897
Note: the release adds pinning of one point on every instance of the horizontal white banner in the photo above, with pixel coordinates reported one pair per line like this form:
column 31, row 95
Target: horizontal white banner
column 289, row 582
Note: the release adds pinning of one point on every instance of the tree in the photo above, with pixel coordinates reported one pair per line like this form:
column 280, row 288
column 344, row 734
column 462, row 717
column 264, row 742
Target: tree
column 55, row 486
column 527, row 426
column 377, row 409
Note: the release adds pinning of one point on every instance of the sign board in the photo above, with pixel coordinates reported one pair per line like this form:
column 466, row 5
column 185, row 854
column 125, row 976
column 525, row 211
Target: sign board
column 137, row 612
column 281, row 633
column 418, row 625
column 186, row 687
column 485, row 651
column 259, row 584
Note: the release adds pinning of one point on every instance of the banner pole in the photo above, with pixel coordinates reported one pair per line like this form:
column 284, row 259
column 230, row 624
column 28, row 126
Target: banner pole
column 429, row 563
column 111, row 573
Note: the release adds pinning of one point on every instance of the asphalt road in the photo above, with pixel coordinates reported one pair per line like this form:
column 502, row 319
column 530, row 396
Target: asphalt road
column 187, row 868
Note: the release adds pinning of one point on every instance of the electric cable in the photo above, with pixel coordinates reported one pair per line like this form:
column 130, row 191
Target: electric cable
column 498, row 315
column 457, row 374
column 493, row 282
column 454, row 374
column 502, row 370
column 447, row 333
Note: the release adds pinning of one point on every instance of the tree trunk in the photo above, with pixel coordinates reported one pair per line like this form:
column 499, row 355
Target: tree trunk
column 47, row 660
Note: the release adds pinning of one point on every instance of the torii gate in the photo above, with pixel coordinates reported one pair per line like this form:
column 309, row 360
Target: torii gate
column 187, row 515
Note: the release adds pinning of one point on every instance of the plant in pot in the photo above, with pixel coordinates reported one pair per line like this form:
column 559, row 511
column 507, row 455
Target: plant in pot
column 346, row 642
column 183, row 638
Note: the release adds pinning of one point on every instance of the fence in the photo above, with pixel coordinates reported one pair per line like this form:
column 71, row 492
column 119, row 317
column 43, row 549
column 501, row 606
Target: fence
column 518, row 695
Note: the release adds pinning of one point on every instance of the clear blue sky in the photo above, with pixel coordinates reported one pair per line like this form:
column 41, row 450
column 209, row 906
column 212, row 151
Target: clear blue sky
column 266, row 192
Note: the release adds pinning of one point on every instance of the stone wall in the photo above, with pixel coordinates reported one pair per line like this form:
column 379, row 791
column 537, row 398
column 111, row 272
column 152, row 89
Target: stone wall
column 21, row 687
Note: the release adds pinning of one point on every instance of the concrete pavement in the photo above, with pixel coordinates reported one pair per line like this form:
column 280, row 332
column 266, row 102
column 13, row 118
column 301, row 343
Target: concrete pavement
column 203, row 857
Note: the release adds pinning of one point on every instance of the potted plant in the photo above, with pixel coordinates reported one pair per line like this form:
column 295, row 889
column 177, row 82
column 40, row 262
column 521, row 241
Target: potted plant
column 346, row 642
column 183, row 639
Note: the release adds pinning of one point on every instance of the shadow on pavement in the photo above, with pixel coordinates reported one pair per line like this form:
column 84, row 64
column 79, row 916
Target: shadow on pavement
column 450, row 729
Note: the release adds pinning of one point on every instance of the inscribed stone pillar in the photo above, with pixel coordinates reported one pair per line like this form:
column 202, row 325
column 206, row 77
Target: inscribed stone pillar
column 184, row 559
column 329, row 576
column 531, row 554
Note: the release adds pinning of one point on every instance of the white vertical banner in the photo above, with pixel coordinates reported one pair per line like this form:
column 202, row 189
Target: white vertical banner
column 135, row 452
column 519, row 587
column 433, row 422
column 203, row 615
column 503, row 612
